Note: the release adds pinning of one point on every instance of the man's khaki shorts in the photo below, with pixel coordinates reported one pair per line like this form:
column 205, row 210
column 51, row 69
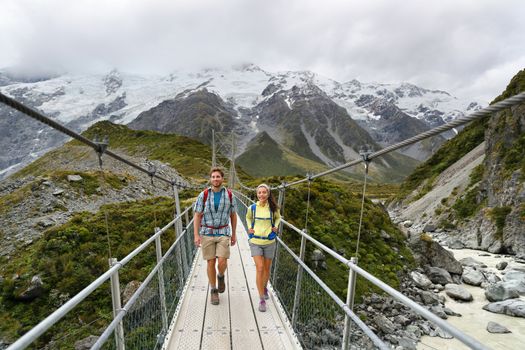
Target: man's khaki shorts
column 215, row 246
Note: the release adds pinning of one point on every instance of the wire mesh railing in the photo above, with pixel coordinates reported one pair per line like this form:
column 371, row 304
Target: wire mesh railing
column 316, row 313
column 142, row 322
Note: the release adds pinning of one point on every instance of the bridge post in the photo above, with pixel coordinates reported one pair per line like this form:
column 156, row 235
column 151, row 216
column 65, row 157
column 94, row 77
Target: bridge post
column 162, row 292
column 350, row 294
column 178, row 230
column 297, row 296
column 117, row 305
column 280, row 203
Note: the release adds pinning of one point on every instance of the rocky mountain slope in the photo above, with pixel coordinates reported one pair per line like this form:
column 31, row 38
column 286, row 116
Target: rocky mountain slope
column 80, row 100
column 478, row 198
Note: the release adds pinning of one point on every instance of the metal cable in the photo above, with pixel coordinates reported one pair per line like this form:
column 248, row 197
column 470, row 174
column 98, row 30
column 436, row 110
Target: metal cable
column 96, row 146
column 362, row 210
column 496, row 107
column 307, row 207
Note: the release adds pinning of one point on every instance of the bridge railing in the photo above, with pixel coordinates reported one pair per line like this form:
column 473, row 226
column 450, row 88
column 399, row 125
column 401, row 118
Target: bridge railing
column 319, row 322
column 143, row 321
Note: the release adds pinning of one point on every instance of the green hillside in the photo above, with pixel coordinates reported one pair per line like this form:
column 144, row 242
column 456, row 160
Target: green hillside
column 333, row 219
column 452, row 150
column 69, row 257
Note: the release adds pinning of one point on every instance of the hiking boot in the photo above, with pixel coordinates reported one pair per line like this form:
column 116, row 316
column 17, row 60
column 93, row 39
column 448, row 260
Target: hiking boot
column 266, row 295
column 221, row 284
column 214, row 296
column 262, row 305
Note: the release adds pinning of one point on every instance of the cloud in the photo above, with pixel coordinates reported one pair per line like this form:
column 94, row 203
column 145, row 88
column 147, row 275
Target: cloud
column 468, row 47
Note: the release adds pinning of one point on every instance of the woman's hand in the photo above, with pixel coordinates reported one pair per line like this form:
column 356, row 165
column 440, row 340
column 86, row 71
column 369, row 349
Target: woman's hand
column 251, row 230
column 275, row 229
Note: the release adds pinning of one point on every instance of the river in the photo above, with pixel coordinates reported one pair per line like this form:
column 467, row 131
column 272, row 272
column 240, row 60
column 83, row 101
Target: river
column 474, row 319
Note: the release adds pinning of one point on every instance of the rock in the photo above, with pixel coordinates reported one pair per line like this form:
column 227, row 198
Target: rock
column 438, row 311
column 450, row 312
column 472, row 276
column 317, row 255
column 414, row 330
column 32, row 292
column 442, row 334
column 58, row 192
column 501, row 291
column 430, row 252
column 501, row 265
column 407, row 343
column 420, row 280
column 130, row 289
column 407, row 223
column 86, row 343
column 429, row 228
column 74, row 178
column 457, row 292
column 469, row 261
column 384, row 324
column 493, row 278
column 429, row 298
column 385, row 235
column 515, row 274
column 438, row 275
column 511, row 307
column 455, row 244
column 493, row 327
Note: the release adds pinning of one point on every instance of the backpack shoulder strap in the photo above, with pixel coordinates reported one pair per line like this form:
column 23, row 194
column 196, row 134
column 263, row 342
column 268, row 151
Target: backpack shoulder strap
column 230, row 195
column 253, row 208
column 205, row 197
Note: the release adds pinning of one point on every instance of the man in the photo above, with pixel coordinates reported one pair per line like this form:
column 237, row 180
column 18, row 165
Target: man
column 214, row 210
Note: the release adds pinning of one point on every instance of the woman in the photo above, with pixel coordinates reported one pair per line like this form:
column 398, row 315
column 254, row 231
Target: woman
column 263, row 218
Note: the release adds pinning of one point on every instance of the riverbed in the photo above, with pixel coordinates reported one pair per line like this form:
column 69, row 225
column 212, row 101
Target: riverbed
column 474, row 319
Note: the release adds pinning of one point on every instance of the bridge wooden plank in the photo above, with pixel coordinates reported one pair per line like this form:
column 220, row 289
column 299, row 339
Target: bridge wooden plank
column 188, row 328
column 244, row 328
column 274, row 333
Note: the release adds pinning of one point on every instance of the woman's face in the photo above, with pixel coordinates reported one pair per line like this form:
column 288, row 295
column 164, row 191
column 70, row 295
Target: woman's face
column 262, row 194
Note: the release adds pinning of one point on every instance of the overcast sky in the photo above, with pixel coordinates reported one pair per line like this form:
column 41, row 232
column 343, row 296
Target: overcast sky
column 470, row 48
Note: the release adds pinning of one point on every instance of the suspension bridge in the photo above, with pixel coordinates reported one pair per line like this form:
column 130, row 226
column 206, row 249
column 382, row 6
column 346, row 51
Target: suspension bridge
column 171, row 310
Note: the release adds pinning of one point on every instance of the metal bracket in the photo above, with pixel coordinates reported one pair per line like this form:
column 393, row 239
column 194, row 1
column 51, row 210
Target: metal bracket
column 102, row 146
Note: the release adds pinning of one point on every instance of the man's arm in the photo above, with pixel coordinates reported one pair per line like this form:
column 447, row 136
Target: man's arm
column 233, row 218
column 197, row 217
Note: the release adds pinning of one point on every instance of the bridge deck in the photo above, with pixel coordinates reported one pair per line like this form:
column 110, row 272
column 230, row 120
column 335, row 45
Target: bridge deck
column 236, row 322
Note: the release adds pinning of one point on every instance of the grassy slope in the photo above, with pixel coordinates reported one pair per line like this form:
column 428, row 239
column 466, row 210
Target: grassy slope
column 190, row 157
column 333, row 220
column 70, row 257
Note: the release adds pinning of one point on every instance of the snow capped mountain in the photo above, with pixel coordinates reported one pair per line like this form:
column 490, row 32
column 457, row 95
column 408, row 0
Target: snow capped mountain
column 78, row 101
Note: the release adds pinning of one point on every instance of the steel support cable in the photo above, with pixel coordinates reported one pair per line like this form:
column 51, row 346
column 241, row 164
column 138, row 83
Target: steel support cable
column 496, row 107
column 307, row 206
column 96, row 146
column 367, row 163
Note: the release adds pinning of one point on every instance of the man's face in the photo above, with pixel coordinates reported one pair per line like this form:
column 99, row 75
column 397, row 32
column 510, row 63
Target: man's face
column 216, row 179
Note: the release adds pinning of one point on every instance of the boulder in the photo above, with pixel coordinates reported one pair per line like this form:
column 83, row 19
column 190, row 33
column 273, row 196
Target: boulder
column 420, row 280
column 511, row 307
column 430, row 252
column 74, row 178
column 384, row 324
column 472, row 276
column 438, row 275
column 457, row 292
column 129, row 290
column 501, row 265
column 35, row 290
column 493, row 327
column 429, row 228
column 86, row 343
column 501, row 291
column 471, row 262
